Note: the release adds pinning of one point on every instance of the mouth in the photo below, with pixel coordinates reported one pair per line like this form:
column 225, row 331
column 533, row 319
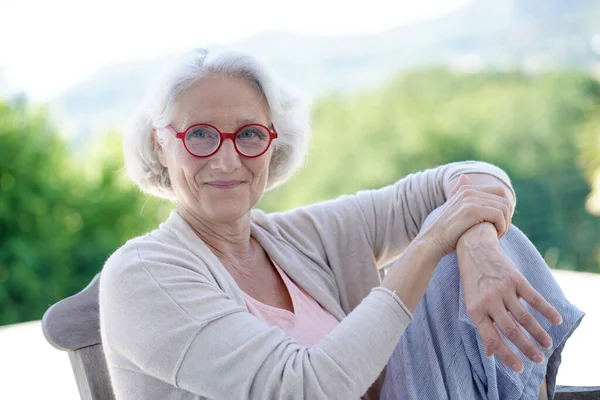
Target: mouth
column 224, row 184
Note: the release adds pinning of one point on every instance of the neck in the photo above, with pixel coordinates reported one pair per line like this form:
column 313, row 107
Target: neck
column 230, row 241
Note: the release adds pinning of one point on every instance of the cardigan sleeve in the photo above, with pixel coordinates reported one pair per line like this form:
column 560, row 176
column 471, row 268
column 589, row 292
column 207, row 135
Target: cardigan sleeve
column 384, row 220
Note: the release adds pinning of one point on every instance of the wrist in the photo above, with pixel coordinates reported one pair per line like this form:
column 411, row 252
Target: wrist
column 427, row 244
column 481, row 234
column 409, row 276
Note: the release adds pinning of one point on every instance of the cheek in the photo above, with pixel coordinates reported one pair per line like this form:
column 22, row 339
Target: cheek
column 183, row 163
column 260, row 168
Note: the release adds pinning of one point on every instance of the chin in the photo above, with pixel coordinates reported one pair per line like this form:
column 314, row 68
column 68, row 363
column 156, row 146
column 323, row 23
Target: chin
column 227, row 210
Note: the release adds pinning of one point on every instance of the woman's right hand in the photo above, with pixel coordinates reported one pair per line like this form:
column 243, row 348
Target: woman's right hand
column 467, row 206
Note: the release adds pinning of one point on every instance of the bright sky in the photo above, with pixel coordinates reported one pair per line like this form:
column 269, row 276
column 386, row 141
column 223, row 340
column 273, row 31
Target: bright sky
column 47, row 46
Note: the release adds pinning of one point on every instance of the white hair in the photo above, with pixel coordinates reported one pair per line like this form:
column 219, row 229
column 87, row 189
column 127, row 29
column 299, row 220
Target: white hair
column 289, row 114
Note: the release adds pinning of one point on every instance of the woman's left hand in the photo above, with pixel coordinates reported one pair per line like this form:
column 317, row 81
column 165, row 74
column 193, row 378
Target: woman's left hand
column 492, row 288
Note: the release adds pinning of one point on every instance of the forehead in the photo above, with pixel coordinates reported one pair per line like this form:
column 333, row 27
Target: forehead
column 221, row 100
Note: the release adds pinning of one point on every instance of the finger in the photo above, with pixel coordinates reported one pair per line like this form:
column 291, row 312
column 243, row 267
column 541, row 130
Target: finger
column 499, row 190
column 527, row 321
column 476, row 212
column 493, row 344
column 463, row 180
column 494, row 216
column 535, row 300
column 491, row 189
column 513, row 332
column 490, row 200
column 494, row 192
column 507, row 198
column 500, row 205
column 469, row 192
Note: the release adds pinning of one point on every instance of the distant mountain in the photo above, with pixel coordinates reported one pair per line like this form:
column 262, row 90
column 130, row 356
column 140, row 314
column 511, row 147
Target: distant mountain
column 530, row 35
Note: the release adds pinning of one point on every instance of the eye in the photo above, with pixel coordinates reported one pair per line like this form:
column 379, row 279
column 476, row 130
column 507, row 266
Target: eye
column 252, row 132
column 202, row 132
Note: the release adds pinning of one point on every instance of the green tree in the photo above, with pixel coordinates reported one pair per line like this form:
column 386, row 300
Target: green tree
column 525, row 124
column 589, row 145
column 58, row 222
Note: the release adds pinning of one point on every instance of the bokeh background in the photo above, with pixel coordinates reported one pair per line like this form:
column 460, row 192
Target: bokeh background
column 397, row 86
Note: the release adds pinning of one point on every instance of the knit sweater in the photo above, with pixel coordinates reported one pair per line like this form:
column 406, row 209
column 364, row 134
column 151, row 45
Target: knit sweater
column 174, row 323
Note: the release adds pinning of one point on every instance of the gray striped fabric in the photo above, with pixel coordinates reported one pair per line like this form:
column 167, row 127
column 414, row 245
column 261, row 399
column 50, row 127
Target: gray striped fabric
column 440, row 356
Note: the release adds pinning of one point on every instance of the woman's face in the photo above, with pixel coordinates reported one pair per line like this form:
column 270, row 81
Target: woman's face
column 225, row 186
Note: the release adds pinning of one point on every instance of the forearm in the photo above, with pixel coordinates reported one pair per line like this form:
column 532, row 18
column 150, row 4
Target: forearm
column 476, row 239
column 475, row 251
column 409, row 276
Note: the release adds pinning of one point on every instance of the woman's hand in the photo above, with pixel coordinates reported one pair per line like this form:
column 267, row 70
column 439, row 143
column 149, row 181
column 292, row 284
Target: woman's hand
column 468, row 206
column 481, row 181
column 492, row 288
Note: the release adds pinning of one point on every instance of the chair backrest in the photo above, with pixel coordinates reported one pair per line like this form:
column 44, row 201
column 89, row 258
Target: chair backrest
column 577, row 393
column 73, row 325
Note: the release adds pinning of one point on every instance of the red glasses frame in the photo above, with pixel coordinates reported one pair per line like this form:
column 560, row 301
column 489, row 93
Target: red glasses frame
column 223, row 136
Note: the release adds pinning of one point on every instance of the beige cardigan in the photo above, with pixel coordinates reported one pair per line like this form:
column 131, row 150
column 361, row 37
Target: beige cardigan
column 174, row 322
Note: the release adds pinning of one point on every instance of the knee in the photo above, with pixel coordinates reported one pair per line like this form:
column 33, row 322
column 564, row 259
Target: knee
column 518, row 246
column 525, row 256
column 515, row 236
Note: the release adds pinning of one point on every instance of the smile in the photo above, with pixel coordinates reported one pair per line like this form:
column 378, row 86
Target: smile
column 224, row 184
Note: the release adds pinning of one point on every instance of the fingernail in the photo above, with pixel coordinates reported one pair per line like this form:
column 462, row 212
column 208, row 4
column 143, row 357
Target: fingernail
column 547, row 344
column 538, row 359
column 517, row 368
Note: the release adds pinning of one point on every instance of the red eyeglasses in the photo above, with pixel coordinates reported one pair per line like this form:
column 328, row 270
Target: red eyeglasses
column 204, row 140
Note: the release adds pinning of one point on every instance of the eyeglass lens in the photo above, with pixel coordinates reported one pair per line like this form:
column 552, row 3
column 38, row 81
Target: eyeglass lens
column 250, row 140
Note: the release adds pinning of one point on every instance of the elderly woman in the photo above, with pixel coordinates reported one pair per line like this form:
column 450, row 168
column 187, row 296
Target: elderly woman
column 223, row 301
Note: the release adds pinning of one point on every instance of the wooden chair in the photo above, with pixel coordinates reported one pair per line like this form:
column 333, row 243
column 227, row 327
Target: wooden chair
column 73, row 325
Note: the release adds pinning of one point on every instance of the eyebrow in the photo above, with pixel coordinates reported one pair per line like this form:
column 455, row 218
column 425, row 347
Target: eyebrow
column 239, row 122
column 246, row 121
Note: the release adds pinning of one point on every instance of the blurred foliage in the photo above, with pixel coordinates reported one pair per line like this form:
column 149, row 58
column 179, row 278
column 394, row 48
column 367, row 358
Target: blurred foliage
column 58, row 222
column 589, row 148
column 61, row 215
column 531, row 126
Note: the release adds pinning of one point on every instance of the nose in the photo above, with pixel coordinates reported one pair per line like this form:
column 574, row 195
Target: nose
column 226, row 159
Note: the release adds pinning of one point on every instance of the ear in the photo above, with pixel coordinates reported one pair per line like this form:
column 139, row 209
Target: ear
column 158, row 147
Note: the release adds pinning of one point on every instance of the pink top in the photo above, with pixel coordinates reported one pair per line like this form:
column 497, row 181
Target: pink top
column 307, row 324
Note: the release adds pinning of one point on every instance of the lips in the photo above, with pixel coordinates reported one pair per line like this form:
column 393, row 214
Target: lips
column 224, row 184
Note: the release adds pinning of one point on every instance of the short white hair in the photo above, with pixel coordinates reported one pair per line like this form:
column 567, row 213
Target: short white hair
column 289, row 114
